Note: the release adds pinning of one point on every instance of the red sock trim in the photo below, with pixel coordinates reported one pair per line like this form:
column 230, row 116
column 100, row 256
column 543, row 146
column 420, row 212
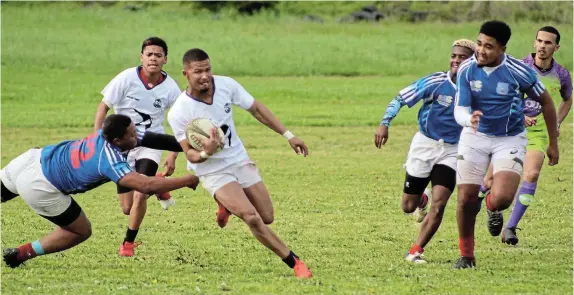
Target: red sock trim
column 489, row 203
column 424, row 200
column 416, row 248
column 466, row 246
column 26, row 252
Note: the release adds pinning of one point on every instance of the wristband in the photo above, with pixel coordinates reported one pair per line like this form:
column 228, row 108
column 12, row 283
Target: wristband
column 288, row 135
column 204, row 155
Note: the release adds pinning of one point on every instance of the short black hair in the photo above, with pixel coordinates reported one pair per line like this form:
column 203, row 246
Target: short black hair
column 498, row 30
column 155, row 41
column 194, row 54
column 552, row 30
column 115, row 126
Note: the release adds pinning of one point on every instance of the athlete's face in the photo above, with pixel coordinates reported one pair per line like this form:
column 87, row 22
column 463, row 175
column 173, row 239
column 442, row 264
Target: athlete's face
column 153, row 58
column 545, row 45
column 458, row 54
column 129, row 141
column 488, row 51
column 198, row 75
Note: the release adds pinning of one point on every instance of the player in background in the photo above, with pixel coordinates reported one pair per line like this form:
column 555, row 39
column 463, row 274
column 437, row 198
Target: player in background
column 546, row 43
column 45, row 178
column 143, row 93
column 489, row 103
column 229, row 175
column 433, row 151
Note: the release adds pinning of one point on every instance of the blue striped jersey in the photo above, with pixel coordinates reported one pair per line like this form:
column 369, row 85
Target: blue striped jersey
column 77, row 166
column 436, row 115
column 498, row 92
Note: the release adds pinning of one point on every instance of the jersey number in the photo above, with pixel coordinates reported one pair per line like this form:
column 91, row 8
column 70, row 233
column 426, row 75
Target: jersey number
column 227, row 133
column 83, row 150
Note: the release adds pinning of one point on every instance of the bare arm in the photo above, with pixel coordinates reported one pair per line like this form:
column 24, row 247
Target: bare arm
column 549, row 112
column 100, row 115
column 265, row 116
column 192, row 155
column 210, row 146
column 151, row 185
column 564, row 109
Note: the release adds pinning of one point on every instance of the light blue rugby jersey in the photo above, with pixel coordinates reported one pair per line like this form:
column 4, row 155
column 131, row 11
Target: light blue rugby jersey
column 77, row 166
column 498, row 92
column 436, row 115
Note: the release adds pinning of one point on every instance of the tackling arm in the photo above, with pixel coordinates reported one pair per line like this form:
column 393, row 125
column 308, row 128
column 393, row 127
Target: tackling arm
column 151, row 185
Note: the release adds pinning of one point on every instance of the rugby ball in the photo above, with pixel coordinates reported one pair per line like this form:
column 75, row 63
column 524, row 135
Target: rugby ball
column 201, row 128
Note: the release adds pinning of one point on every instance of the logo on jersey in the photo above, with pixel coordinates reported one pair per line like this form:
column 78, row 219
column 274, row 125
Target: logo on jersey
column 476, row 85
column 444, row 100
column 146, row 120
column 134, row 98
column 502, row 88
column 157, row 103
column 227, row 107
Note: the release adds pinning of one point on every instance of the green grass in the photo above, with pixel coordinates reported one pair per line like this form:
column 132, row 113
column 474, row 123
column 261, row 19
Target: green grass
column 339, row 209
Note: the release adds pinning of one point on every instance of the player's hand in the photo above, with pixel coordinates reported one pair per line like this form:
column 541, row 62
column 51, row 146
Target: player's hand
column 299, row 146
column 192, row 181
column 211, row 144
column 529, row 121
column 552, row 152
column 381, row 135
column 475, row 119
column 169, row 164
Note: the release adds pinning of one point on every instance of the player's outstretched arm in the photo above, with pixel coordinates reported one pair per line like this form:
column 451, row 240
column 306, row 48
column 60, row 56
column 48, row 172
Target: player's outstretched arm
column 150, row 185
column 382, row 133
column 265, row 116
column 101, row 113
column 549, row 112
column 158, row 141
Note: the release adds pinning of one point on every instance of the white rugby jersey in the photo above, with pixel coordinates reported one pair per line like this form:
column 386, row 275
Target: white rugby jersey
column 128, row 95
column 227, row 92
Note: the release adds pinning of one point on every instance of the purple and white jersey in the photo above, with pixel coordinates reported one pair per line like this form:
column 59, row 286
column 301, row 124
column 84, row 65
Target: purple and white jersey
column 533, row 108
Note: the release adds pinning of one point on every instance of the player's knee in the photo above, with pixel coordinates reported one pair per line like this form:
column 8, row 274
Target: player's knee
column 6, row 194
column 409, row 204
column 140, row 198
column 531, row 175
column 126, row 209
column 437, row 208
column 501, row 199
column 251, row 218
column 267, row 216
column 87, row 232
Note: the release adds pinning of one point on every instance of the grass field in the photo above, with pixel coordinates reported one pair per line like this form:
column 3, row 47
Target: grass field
column 339, row 209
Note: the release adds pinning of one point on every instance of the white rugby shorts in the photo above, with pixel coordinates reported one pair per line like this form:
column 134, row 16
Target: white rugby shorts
column 24, row 177
column 426, row 152
column 476, row 150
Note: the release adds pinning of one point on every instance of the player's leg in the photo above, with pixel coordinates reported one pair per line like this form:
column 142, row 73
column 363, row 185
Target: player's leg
column 472, row 164
column 51, row 204
column 126, row 197
column 443, row 180
column 250, row 180
column 418, row 166
column 232, row 197
column 138, row 210
column 507, row 160
column 533, row 163
column 485, row 187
